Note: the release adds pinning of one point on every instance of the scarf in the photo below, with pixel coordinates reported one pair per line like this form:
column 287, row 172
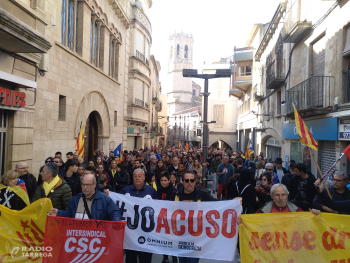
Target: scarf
column 154, row 185
column 48, row 187
column 113, row 173
column 260, row 189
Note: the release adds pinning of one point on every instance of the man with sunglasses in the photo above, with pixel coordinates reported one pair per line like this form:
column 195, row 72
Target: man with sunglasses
column 269, row 168
column 59, row 162
column 279, row 169
column 189, row 192
column 339, row 192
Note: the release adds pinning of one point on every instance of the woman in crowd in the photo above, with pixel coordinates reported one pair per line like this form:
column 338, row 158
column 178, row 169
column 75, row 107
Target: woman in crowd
column 199, row 169
column 112, row 175
column 263, row 190
column 122, row 177
column 49, row 160
column 99, row 161
column 92, row 163
column 13, row 192
column 151, row 180
column 167, row 161
column 259, row 170
column 159, row 169
column 173, row 180
column 101, row 170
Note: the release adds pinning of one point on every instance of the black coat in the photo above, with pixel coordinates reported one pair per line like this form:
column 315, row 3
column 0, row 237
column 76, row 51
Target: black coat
column 285, row 171
column 123, row 180
column 31, row 184
column 311, row 192
column 249, row 196
column 286, row 179
column 199, row 194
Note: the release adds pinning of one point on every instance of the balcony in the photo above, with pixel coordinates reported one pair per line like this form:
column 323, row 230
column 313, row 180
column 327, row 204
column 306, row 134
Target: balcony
column 242, row 80
column 257, row 94
column 311, row 96
column 275, row 74
column 236, row 93
column 141, row 103
column 159, row 106
column 141, row 57
column 347, row 86
column 154, row 100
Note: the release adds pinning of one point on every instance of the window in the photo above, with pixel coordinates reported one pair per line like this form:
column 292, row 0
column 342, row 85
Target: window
column 115, row 118
column 278, row 102
column 186, row 52
column 62, row 108
column 248, row 70
column 194, row 92
column 241, row 71
column 219, row 115
column 63, row 22
column 71, row 24
column 95, row 43
column 69, row 17
column 178, row 50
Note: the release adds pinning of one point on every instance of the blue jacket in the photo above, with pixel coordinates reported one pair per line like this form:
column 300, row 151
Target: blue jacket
column 275, row 179
column 145, row 192
column 223, row 178
column 158, row 156
column 102, row 208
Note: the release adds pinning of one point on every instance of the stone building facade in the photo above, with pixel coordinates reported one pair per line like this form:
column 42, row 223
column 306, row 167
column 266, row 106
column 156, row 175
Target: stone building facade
column 73, row 60
column 301, row 57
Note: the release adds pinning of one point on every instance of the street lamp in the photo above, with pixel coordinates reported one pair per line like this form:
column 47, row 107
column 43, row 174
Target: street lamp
column 193, row 73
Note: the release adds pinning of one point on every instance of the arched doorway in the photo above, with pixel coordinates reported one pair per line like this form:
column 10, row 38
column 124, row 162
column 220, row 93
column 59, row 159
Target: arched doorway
column 220, row 144
column 273, row 148
column 93, row 125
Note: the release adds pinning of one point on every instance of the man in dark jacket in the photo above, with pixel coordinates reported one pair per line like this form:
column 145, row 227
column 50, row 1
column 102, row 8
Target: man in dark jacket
column 279, row 169
column 53, row 187
column 339, row 192
column 139, row 189
column 29, row 179
column 288, row 177
column 225, row 171
column 95, row 206
column 302, row 188
column 71, row 176
column 189, row 192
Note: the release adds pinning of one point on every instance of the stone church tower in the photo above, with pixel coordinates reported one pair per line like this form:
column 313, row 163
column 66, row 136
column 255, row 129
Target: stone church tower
column 180, row 57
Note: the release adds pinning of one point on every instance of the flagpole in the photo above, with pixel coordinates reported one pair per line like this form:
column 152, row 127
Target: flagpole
column 319, row 170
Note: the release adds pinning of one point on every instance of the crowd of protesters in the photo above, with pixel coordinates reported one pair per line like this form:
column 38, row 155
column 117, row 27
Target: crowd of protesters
column 77, row 189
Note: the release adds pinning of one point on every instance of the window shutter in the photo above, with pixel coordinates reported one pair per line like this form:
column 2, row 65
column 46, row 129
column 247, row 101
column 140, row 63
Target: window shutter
column 346, row 51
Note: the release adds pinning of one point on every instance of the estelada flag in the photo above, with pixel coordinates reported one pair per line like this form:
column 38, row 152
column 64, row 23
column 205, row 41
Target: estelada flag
column 84, row 240
column 79, row 145
column 22, row 232
column 304, row 133
column 250, row 150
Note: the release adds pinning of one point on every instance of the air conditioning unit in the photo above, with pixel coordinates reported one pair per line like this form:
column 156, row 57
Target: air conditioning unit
column 44, row 62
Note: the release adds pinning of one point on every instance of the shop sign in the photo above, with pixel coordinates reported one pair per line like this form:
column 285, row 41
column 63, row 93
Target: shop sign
column 12, row 98
column 344, row 129
column 325, row 129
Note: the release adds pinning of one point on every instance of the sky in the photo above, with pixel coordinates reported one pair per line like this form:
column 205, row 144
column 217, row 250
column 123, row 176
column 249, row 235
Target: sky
column 217, row 26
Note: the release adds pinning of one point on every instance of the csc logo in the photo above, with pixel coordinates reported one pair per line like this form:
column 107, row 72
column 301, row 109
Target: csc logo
column 82, row 247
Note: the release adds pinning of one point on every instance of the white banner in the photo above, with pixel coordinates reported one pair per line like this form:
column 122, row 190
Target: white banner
column 186, row 229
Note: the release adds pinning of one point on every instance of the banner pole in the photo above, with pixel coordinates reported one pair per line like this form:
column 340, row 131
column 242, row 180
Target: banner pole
column 319, row 170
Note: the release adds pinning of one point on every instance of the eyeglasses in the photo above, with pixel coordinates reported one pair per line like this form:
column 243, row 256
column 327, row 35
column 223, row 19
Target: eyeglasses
column 23, row 168
column 87, row 185
column 56, row 161
column 268, row 169
column 188, row 180
column 338, row 180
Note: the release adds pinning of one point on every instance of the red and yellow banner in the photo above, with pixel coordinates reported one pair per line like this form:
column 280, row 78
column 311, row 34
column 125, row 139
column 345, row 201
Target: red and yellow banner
column 83, row 240
column 295, row 238
column 22, row 232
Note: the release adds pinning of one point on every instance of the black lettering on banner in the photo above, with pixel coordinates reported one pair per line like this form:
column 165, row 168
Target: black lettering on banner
column 136, row 219
column 122, row 210
column 150, row 211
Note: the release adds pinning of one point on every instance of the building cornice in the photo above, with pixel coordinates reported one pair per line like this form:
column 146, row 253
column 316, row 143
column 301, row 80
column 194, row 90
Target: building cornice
column 120, row 13
column 270, row 30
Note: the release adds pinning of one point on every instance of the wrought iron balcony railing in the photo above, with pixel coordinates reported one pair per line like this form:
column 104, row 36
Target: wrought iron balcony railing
column 140, row 56
column 275, row 74
column 311, row 93
column 347, row 86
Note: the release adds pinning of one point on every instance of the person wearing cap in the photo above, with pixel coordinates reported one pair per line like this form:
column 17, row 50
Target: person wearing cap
column 279, row 169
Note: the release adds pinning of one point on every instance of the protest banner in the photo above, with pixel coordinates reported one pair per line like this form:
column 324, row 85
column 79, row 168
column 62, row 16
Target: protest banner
column 22, row 233
column 185, row 229
column 84, row 240
column 294, row 238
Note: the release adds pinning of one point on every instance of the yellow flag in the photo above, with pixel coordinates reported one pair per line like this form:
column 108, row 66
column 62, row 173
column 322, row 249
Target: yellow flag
column 294, row 238
column 22, row 232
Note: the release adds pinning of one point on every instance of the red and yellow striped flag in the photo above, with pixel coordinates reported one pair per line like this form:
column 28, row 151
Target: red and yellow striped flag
column 304, row 133
column 79, row 145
